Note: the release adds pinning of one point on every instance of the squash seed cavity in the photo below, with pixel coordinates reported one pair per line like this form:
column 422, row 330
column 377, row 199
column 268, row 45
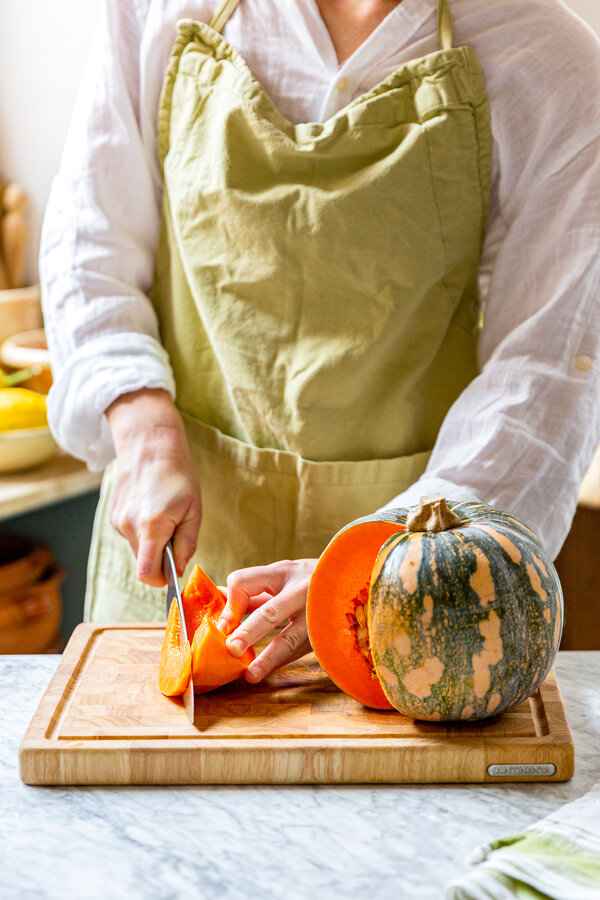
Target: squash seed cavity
column 358, row 622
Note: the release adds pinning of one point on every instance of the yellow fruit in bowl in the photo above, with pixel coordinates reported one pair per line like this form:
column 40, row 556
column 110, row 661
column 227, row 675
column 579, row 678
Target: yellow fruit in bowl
column 22, row 408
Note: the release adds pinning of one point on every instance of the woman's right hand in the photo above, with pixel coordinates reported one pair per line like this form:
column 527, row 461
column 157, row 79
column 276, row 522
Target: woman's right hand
column 157, row 492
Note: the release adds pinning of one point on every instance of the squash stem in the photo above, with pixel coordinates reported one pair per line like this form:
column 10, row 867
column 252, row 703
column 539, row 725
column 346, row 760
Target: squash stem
column 431, row 514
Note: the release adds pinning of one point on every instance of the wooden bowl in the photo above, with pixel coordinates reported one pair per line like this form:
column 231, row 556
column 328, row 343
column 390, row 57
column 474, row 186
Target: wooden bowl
column 21, row 562
column 29, row 349
column 30, row 617
column 25, row 448
column 20, row 310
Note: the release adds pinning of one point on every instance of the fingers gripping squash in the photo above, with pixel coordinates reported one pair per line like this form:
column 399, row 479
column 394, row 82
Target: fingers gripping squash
column 464, row 615
column 206, row 655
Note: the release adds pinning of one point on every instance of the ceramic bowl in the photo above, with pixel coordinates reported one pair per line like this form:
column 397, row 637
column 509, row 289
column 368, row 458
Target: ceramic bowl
column 22, row 562
column 28, row 349
column 20, row 310
column 30, row 617
column 24, row 448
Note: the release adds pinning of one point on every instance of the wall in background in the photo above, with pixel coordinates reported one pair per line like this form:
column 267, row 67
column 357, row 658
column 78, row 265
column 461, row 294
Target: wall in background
column 588, row 10
column 43, row 46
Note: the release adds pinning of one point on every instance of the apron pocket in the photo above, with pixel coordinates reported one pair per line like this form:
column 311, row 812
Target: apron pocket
column 261, row 505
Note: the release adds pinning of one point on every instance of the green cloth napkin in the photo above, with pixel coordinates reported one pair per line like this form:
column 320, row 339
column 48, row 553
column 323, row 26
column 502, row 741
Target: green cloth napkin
column 557, row 858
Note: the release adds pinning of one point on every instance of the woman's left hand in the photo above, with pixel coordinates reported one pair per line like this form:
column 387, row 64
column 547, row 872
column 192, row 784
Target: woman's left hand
column 270, row 595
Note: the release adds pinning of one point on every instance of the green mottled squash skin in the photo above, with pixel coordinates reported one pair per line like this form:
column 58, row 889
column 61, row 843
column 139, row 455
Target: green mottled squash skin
column 464, row 623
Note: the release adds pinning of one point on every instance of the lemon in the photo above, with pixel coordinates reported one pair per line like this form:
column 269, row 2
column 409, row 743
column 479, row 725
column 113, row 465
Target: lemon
column 21, row 408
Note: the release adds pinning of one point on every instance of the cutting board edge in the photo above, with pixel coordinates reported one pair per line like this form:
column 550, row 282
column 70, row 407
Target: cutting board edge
column 295, row 761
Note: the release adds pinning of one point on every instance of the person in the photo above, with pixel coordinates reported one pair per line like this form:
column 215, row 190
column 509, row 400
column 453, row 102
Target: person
column 305, row 261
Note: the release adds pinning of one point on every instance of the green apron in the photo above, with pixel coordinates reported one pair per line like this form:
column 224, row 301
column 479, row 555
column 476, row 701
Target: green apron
column 316, row 288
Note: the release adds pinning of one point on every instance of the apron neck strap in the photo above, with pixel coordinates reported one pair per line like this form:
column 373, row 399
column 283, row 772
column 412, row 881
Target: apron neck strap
column 444, row 24
column 444, row 20
column 222, row 14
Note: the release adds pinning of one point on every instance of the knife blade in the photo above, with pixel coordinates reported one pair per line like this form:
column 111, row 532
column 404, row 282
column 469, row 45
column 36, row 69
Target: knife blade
column 170, row 573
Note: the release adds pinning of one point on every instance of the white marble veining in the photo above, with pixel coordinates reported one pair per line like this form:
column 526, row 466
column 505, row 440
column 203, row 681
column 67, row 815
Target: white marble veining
column 404, row 842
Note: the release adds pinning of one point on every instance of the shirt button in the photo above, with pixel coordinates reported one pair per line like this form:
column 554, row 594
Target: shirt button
column 342, row 85
column 583, row 363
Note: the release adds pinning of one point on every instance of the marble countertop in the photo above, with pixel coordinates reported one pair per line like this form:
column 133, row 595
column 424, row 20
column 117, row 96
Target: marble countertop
column 404, row 842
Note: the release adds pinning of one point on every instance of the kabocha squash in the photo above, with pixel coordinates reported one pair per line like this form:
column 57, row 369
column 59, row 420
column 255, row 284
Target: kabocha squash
column 206, row 655
column 464, row 612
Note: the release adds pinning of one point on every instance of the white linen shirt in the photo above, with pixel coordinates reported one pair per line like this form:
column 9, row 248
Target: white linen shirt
column 523, row 432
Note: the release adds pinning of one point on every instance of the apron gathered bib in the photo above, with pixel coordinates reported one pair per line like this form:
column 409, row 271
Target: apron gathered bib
column 316, row 288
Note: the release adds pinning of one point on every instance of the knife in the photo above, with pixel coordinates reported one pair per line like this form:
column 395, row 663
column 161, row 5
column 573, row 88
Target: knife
column 170, row 573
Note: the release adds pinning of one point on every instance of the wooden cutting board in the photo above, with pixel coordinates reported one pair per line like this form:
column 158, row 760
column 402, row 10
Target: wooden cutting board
column 102, row 720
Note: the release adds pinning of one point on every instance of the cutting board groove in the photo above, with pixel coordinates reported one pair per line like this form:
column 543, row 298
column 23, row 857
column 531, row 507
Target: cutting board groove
column 102, row 720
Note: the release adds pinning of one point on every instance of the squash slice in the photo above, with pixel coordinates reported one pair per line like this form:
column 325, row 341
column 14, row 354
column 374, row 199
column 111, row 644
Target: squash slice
column 206, row 656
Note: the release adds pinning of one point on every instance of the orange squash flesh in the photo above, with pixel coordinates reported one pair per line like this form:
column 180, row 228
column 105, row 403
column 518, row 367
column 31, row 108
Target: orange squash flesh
column 212, row 663
column 341, row 581
column 206, row 656
column 175, row 658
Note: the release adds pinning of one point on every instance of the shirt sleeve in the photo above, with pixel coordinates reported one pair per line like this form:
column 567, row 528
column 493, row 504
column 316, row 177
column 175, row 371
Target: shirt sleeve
column 523, row 432
column 98, row 246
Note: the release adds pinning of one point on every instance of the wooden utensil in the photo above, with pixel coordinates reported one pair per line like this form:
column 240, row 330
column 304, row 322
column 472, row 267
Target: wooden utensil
column 4, row 281
column 103, row 720
column 14, row 232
